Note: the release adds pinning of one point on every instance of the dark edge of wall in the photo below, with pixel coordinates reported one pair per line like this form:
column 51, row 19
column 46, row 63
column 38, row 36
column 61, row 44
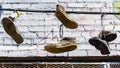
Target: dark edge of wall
column 62, row 59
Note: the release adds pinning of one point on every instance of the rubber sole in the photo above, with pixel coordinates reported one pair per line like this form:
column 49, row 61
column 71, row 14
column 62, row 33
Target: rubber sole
column 10, row 29
column 110, row 37
column 65, row 20
column 100, row 45
column 52, row 48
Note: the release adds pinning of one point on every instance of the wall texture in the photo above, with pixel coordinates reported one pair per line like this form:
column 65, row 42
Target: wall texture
column 36, row 26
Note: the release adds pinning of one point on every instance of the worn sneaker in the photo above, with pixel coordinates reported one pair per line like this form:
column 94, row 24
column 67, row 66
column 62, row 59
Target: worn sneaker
column 64, row 18
column 100, row 45
column 10, row 29
column 65, row 45
column 107, row 35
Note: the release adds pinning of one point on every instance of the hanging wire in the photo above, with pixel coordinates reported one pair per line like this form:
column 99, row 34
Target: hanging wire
column 44, row 38
column 103, row 29
column 53, row 11
column 61, row 31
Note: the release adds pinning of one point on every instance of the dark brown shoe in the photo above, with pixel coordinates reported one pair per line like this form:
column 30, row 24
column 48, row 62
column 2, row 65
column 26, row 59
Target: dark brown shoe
column 107, row 36
column 100, row 45
column 64, row 18
column 65, row 45
column 10, row 29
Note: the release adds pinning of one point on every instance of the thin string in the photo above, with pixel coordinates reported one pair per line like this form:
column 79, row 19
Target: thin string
column 44, row 38
column 103, row 29
column 61, row 31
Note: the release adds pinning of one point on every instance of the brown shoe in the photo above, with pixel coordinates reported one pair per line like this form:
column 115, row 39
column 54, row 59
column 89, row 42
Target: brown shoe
column 10, row 29
column 64, row 18
column 100, row 45
column 107, row 36
column 65, row 45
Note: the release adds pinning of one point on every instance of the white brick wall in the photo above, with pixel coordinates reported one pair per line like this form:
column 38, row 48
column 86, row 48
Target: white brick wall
column 35, row 26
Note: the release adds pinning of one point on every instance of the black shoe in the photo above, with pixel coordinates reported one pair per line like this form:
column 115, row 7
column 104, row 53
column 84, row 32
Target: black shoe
column 100, row 45
column 107, row 36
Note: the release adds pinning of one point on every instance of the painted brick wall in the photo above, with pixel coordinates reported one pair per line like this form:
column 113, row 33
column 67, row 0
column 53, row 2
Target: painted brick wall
column 35, row 26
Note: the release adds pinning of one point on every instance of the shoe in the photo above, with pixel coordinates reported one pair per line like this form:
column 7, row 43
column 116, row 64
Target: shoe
column 100, row 45
column 10, row 29
column 64, row 18
column 107, row 36
column 65, row 45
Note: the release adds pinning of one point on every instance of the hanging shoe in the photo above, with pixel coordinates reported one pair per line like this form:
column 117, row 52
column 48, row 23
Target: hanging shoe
column 65, row 45
column 100, row 45
column 107, row 36
column 10, row 29
column 64, row 18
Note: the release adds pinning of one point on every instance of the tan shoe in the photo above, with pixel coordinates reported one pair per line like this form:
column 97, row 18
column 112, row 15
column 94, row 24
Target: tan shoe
column 65, row 45
column 64, row 18
column 10, row 29
column 107, row 36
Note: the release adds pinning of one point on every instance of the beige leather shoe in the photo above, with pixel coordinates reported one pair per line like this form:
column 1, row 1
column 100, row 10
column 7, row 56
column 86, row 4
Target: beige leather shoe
column 10, row 29
column 65, row 45
column 64, row 18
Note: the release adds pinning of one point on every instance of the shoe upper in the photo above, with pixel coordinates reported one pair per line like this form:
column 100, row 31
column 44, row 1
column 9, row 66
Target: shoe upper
column 107, row 36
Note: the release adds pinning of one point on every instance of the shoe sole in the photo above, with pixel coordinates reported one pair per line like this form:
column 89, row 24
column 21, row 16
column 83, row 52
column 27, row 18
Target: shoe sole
column 99, row 45
column 53, row 49
column 10, row 29
column 67, row 22
column 110, row 37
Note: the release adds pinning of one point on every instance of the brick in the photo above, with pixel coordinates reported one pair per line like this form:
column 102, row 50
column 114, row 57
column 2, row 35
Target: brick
column 18, row 53
column 33, row 17
column 2, row 29
column 7, row 41
column 94, row 5
column 12, row 1
column 21, row 1
column 26, row 48
column 86, row 35
column 51, row 1
column 43, row 6
column 87, row 28
column 113, row 46
column 109, row 28
column 37, row 28
column 61, row 54
column 27, row 41
column 87, row 22
column 6, row 5
column 50, row 41
column 78, row 53
column 30, row 1
column 29, row 35
column 42, row 53
column 114, row 52
column 94, row 53
column 22, row 29
column 86, row 46
column 117, row 28
column 67, row 1
column 117, row 39
column 4, row 48
column 78, row 5
column 3, row 54
column 80, row 40
column 21, row 6
column 118, row 46
column 1, row 41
